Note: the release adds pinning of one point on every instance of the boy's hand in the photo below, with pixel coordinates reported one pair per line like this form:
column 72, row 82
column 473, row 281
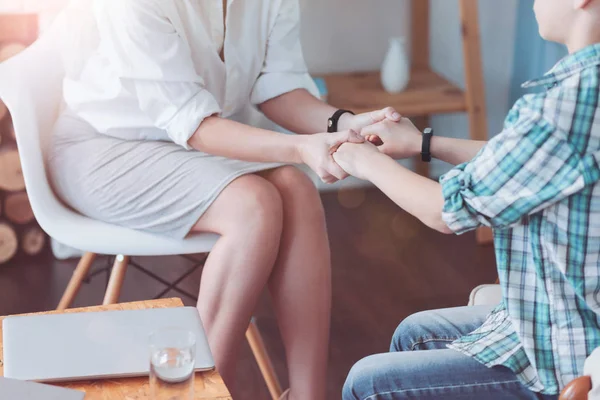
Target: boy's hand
column 317, row 151
column 358, row 122
column 396, row 139
column 355, row 158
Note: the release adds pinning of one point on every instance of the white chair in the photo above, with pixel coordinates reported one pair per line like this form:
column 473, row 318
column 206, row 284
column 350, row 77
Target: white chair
column 485, row 295
column 31, row 87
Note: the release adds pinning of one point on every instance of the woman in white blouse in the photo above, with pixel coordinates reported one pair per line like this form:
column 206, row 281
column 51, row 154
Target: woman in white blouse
column 154, row 138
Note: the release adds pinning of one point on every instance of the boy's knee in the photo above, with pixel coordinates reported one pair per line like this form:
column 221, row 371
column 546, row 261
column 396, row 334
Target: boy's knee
column 360, row 381
column 412, row 332
column 405, row 333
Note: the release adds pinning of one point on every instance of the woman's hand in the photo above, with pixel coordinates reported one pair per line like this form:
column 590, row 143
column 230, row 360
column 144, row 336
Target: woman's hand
column 396, row 139
column 355, row 158
column 360, row 121
column 317, row 151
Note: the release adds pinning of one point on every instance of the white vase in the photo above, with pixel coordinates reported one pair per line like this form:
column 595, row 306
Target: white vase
column 395, row 72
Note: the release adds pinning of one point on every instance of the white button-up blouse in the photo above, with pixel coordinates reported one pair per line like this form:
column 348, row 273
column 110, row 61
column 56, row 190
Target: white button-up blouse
column 156, row 72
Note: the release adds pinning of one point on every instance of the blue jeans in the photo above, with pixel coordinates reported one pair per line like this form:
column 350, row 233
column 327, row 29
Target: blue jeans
column 419, row 366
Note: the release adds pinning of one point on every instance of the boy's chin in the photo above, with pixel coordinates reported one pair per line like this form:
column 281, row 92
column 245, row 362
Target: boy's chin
column 549, row 35
column 544, row 34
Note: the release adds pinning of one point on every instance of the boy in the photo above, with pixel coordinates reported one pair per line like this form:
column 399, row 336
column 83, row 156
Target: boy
column 536, row 184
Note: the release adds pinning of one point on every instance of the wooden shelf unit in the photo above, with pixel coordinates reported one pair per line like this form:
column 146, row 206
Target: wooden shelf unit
column 428, row 93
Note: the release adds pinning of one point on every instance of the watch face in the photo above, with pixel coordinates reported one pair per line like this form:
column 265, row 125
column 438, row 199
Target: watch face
column 428, row 131
column 330, row 123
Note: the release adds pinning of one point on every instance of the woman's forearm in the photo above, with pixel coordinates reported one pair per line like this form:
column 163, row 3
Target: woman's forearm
column 420, row 196
column 300, row 112
column 455, row 151
column 231, row 139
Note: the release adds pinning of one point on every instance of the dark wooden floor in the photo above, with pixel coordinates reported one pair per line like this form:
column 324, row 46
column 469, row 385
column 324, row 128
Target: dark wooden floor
column 386, row 265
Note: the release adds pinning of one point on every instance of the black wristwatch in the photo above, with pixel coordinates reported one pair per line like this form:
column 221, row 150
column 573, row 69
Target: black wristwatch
column 332, row 123
column 425, row 147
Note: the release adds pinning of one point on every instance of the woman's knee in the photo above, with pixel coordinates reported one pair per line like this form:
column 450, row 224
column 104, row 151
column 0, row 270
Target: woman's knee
column 249, row 205
column 298, row 192
column 258, row 206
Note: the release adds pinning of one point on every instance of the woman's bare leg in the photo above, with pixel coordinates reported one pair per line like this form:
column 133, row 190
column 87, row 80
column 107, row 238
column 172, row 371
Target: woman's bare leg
column 248, row 216
column 301, row 283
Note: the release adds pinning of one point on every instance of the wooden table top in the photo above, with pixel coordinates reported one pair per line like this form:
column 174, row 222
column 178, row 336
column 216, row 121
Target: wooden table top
column 208, row 385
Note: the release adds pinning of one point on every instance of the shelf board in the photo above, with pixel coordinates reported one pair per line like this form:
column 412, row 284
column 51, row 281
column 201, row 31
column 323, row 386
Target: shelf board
column 427, row 94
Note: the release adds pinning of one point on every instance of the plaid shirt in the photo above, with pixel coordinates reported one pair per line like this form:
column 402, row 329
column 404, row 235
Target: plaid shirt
column 536, row 184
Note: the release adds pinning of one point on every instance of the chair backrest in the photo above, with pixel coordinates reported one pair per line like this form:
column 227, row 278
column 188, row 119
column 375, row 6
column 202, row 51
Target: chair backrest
column 31, row 87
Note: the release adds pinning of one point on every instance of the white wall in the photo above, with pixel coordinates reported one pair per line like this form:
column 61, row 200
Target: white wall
column 497, row 21
column 352, row 35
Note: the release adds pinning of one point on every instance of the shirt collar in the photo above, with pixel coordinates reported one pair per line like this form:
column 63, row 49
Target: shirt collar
column 568, row 66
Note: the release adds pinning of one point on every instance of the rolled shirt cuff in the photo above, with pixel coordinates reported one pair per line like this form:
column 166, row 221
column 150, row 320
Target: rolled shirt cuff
column 274, row 84
column 458, row 213
column 186, row 121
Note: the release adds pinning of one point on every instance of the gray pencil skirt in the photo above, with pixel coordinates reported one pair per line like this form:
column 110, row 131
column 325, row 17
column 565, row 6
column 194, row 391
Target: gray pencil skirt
column 152, row 186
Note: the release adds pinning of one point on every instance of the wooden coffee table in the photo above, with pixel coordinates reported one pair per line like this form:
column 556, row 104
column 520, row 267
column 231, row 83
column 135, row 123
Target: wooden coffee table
column 208, row 385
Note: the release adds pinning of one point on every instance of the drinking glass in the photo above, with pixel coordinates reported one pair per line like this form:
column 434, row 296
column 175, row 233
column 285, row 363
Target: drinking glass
column 172, row 360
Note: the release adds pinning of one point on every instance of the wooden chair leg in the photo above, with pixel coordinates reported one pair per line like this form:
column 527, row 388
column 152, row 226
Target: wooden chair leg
column 115, row 283
column 76, row 280
column 264, row 362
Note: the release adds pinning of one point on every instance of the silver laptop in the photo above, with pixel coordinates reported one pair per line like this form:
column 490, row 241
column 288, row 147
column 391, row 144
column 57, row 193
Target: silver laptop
column 12, row 389
column 94, row 345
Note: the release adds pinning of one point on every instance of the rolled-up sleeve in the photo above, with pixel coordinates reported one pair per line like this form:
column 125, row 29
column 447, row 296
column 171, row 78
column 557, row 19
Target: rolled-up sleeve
column 154, row 63
column 526, row 168
column 284, row 69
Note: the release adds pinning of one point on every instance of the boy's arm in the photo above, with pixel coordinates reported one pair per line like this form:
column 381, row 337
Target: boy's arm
column 530, row 166
column 420, row 196
column 416, row 194
column 455, row 151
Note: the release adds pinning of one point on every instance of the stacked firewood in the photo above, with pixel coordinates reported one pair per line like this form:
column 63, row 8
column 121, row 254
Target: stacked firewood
column 19, row 232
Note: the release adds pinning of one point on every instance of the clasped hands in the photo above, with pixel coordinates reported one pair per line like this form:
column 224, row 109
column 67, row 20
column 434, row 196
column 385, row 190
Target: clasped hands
column 334, row 156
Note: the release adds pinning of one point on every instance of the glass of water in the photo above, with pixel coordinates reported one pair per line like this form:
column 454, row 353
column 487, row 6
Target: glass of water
column 172, row 360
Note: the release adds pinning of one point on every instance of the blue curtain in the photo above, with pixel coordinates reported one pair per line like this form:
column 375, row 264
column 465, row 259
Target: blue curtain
column 534, row 56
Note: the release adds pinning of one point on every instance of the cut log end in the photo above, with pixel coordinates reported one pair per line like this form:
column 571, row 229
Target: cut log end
column 33, row 241
column 17, row 208
column 9, row 244
column 11, row 175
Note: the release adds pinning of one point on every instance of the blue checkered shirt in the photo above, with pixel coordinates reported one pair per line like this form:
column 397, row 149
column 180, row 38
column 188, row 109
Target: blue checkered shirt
column 536, row 184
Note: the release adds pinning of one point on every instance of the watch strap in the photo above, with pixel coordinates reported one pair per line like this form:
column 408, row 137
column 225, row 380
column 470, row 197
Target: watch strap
column 426, row 146
column 332, row 122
